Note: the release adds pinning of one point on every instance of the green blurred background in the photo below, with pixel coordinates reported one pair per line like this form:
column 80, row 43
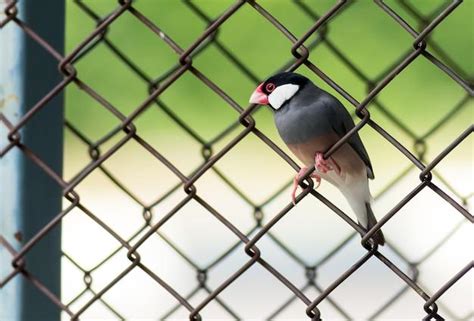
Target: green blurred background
column 369, row 37
column 420, row 96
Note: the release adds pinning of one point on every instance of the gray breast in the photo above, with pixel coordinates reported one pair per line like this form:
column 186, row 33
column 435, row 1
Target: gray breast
column 303, row 118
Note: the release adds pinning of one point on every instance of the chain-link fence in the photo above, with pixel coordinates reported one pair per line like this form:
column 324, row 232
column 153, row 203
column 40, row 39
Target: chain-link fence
column 249, row 239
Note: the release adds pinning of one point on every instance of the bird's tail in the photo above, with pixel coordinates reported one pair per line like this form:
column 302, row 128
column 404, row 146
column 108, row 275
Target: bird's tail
column 378, row 236
column 358, row 196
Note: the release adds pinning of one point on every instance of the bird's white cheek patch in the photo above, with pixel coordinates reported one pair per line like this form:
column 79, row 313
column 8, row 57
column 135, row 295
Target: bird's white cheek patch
column 281, row 94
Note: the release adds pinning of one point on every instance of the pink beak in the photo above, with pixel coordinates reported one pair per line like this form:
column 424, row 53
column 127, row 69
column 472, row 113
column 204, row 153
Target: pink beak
column 258, row 97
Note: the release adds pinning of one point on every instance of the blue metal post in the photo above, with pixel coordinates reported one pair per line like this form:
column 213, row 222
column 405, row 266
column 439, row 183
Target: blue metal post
column 11, row 43
column 29, row 199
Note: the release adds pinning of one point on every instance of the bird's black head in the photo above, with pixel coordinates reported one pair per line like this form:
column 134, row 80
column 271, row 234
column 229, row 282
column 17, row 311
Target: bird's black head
column 278, row 89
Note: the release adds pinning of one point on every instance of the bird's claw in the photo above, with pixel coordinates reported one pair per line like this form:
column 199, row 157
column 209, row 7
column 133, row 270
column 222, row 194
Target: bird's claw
column 293, row 191
column 297, row 178
column 325, row 165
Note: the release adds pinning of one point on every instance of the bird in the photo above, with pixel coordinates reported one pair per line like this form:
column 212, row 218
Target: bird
column 311, row 120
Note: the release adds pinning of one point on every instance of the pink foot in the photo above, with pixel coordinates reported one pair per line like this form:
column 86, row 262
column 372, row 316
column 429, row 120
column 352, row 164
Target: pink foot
column 325, row 165
column 297, row 178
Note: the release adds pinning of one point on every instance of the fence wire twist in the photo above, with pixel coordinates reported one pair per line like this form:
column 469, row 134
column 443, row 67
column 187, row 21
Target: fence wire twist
column 246, row 125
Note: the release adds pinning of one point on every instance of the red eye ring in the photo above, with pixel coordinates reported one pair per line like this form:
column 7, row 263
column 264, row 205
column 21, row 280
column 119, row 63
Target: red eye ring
column 270, row 87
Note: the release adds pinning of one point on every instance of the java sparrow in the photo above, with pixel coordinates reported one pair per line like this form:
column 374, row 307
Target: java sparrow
column 310, row 120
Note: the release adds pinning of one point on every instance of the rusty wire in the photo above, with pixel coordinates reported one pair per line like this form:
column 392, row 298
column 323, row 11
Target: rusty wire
column 245, row 123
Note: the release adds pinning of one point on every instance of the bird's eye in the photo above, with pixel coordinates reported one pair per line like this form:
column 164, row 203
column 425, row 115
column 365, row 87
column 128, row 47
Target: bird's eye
column 270, row 87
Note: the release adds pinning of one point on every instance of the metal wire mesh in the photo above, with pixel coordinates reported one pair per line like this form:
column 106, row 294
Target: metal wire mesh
column 100, row 150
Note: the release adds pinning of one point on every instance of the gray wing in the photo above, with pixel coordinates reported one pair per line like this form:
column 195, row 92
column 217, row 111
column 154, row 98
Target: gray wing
column 342, row 122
